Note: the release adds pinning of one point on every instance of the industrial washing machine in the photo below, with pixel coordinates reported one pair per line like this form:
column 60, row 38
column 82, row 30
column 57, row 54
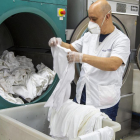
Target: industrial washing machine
column 26, row 27
column 124, row 14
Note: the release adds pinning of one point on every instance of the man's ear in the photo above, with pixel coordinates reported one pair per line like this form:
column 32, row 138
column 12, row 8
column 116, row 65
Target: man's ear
column 107, row 16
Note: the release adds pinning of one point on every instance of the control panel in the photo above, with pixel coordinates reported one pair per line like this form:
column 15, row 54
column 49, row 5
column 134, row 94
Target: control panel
column 120, row 7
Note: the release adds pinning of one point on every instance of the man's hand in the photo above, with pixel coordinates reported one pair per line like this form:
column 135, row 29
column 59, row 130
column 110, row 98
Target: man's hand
column 75, row 57
column 55, row 41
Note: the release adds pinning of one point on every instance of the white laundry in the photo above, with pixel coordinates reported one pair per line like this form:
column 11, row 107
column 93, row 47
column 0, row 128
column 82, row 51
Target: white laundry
column 10, row 60
column 3, row 65
column 74, row 119
column 65, row 73
column 4, row 73
column 10, row 98
column 26, row 63
column 92, row 122
column 17, row 76
column 22, row 91
column 35, row 85
column 20, row 76
column 37, row 81
column 60, row 61
column 91, row 136
column 59, row 117
column 6, row 84
column 105, row 133
column 1, row 74
column 45, row 72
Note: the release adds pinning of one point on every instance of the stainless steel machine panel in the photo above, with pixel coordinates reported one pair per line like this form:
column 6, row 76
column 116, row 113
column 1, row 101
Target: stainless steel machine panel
column 127, row 1
column 120, row 7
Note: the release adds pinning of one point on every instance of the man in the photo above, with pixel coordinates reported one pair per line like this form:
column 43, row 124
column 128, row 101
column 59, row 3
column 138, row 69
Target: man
column 103, row 63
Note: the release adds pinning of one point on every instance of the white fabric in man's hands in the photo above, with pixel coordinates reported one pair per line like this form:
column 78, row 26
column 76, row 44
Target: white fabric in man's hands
column 65, row 73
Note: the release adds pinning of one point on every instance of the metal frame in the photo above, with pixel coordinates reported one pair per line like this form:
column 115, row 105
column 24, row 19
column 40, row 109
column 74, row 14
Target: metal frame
column 120, row 7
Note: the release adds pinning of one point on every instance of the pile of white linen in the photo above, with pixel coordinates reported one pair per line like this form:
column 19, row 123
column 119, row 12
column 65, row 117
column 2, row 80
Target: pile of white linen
column 74, row 120
column 17, row 76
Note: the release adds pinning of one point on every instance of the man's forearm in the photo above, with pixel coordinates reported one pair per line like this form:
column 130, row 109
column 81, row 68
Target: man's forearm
column 106, row 64
column 68, row 46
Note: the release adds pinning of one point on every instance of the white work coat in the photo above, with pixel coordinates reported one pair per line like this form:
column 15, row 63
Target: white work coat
column 102, row 87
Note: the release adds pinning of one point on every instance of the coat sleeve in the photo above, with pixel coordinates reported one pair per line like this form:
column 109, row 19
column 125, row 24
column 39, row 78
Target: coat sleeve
column 78, row 44
column 121, row 49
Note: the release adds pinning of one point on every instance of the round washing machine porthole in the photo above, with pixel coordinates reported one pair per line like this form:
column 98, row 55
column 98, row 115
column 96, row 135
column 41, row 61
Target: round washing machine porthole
column 28, row 34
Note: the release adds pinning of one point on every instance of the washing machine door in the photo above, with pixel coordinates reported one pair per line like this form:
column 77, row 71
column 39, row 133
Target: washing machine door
column 82, row 29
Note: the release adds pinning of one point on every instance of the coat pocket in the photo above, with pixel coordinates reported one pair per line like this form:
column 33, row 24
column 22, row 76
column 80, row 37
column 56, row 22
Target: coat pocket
column 107, row 95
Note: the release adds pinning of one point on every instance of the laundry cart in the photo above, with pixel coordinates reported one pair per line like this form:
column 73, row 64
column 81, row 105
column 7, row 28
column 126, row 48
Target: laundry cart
column 30, row 123
column 25, row 29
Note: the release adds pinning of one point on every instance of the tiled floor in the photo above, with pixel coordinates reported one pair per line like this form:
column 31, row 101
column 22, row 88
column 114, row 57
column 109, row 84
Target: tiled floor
column 135, row 130
column 135, row 135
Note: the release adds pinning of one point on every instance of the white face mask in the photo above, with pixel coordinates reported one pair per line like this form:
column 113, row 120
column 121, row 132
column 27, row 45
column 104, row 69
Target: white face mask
column 94, row 28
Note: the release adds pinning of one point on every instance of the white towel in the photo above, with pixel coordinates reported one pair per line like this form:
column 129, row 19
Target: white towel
column 92, row 122
column 91, row 136
column 105, row 133
column 65, row 73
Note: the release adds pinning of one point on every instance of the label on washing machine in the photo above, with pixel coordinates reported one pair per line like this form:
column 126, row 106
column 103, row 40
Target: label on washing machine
column 135, row 8
column 60, row 18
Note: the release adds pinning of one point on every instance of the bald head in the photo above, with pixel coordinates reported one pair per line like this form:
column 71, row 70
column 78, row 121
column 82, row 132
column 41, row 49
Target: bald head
column 102, row 6
column 99, row 13
column 105, row 7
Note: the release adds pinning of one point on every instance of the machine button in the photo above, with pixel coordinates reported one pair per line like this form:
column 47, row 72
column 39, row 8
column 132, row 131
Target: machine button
column 63, row 12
